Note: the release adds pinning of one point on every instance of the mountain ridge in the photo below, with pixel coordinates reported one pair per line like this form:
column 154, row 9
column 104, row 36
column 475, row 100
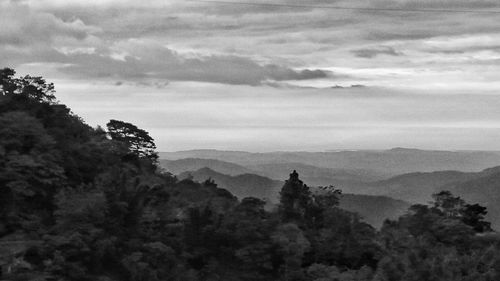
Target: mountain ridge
column 371, row 208
column 392, row 162
column 244, row 185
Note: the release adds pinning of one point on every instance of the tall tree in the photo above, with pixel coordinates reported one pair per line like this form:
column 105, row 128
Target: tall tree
column 450, row 205
column 137, row 140
column 295, row 198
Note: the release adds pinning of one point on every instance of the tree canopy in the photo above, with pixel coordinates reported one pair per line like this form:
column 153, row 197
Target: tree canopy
column 137, row 140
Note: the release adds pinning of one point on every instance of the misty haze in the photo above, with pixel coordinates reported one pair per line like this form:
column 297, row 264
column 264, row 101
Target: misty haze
column 293, row 140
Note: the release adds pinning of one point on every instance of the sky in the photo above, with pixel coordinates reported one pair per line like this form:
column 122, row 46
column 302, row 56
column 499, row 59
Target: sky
column 262, row 78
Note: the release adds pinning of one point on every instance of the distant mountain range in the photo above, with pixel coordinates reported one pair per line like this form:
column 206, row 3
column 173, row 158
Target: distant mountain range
column 373, row 209
column 262, row 175
column 310, row 174
column 413, row 187
column 418, row 187
column 315, row 176
column 481, row 187
column 384, row 162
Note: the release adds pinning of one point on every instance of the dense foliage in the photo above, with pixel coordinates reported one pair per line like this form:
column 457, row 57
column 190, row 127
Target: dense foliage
column 81, row 203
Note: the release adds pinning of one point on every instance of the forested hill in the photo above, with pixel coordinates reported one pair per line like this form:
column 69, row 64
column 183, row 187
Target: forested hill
column 482, row 187
column 373, row 209
column 81, row 203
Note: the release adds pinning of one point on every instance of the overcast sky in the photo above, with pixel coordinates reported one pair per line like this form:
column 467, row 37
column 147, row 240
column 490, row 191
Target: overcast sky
column 266, row 78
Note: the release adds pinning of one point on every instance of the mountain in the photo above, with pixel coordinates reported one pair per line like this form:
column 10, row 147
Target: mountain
column 482, row 187
column 192, row 164
column 318, row 176
column 374, row 209
column 244, row 185
column 314, row 176
column 260, row 180
column 391, row 162
column 484, row 190
column 417, row 187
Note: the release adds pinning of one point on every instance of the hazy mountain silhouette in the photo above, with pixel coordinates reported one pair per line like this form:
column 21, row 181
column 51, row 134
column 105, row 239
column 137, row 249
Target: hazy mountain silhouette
column 481, row 187
column 244, row 185
column 258, row 174
column 392, row 162
column 314, row 175
column 485, row 190
column 416, row 187
column 374, row 209
column 192, row 164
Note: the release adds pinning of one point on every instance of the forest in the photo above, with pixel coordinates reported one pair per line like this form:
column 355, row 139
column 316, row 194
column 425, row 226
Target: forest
column 83, row 203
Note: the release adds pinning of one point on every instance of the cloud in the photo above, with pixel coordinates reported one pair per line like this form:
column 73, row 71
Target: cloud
column 22, row 26
column 147, row 60
column 461, row 44
column 348, row 87
column 94, row 51
column 243, row 44
column 442, row 4
column 373, row 52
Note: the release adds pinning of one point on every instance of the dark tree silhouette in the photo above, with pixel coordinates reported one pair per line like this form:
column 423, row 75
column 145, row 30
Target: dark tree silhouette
column 473, row 215
column 450, row 205
column 137, row 140
column 295, row 198
column 455, row 207
column 32, row 87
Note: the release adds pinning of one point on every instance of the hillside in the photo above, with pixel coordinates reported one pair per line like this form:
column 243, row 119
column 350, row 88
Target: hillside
column 484, row 190
column 244, row 185
column 482, row 187
column 417, row 187
column 374, row 209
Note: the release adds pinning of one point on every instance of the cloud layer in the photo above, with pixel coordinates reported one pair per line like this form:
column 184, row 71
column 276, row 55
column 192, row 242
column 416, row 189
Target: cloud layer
column 249, row 44
column 94, row 50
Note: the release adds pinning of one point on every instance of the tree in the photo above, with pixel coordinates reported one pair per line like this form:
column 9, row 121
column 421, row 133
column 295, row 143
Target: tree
column 450, row 205
column 295, row 198
column 473, row 215
column 292, row 245
column 30, row 166
column 324, row 199
column 137, row 140
column 32, row 87
column 7, row 81
column 455, row 207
